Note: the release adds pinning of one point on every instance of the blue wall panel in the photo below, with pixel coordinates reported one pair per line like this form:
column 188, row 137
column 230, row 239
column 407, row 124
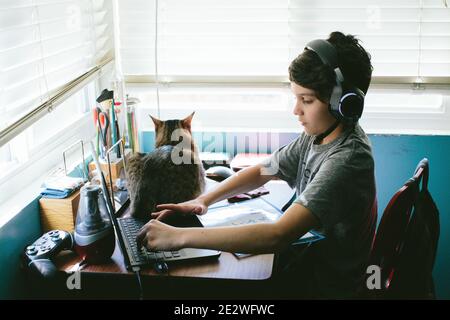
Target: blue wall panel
column 20, row 231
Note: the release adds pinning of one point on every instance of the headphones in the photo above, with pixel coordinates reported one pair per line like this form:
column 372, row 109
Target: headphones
column 346, row 101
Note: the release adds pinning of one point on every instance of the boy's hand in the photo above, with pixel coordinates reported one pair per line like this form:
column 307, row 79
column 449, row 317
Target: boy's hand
column 188, row 207
column 158, row 236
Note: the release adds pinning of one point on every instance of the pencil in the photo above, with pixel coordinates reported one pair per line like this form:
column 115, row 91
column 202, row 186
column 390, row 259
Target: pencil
column 130, row 131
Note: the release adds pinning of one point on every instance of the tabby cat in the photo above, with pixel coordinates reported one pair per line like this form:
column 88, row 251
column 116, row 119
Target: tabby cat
column 172, row 173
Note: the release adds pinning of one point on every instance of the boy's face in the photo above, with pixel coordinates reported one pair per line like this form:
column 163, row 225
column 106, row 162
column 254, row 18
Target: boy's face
column 312, row 113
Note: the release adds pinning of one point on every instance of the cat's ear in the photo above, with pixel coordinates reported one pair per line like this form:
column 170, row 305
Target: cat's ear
column 156, row 121
column 187, row 121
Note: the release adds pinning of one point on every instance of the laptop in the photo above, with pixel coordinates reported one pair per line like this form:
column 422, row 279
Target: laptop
column 126, row 230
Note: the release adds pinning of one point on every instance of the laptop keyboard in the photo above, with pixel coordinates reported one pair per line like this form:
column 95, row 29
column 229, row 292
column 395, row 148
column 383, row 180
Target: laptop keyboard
column 130, row 228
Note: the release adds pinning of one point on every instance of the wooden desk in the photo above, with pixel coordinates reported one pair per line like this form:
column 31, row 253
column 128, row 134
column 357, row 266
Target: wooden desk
column 192, row 274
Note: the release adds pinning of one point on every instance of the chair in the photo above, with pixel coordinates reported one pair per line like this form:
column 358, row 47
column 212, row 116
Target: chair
column 406, row 241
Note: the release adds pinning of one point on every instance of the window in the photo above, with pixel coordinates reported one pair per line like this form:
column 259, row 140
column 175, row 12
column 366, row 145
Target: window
column 45, row 44
column 205, row 38
column 408, row 38
column 57, row 129
column 264, row 108
column 200, row 39
column 217, row 107
column 245, row 46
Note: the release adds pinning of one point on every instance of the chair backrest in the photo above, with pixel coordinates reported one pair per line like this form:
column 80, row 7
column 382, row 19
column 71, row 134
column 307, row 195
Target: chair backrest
column 414, row 277
column 421, row 174
column 391, row 232
column 396, row 231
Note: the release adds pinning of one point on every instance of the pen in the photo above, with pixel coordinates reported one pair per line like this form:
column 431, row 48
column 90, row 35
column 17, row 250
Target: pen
column 118, row 135
column 130, row 131
column 114, row 128
column 96, row 112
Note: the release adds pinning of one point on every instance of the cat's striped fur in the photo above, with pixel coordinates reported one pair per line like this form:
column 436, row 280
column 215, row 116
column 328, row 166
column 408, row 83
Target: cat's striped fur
column 159, row 177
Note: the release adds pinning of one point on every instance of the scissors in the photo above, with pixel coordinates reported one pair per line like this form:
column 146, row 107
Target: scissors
column 103, row 123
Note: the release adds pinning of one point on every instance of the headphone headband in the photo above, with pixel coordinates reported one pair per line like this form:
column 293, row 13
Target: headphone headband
column 325, row 50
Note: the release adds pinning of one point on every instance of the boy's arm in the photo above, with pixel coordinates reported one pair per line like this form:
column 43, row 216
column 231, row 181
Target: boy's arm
column 242, row 181
column 256, row 238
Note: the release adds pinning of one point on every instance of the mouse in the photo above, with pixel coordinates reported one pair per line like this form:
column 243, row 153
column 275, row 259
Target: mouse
column 219, row 173
column 161, row 267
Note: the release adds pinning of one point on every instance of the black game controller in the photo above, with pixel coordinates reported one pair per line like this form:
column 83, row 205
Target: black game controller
column 38, row 255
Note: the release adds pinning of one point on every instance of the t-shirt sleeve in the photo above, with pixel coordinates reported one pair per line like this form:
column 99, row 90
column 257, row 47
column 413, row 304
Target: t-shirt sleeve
column 329, row 193
column 283, row 163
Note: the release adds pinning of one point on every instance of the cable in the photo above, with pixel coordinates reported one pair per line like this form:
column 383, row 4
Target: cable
column 321, row 136
column 137, row 271
column 156, row 59
column 419, row 77
column 41, row 49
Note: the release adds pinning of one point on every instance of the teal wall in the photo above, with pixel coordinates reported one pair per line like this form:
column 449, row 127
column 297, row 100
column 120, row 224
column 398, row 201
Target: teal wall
column 395, row 157
column 23, row 229
column 15, row 235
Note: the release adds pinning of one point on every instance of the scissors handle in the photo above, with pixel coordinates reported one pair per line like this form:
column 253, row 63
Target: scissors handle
column 104, row 125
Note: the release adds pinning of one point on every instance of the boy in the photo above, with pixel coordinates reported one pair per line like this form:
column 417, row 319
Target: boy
column 331, row 166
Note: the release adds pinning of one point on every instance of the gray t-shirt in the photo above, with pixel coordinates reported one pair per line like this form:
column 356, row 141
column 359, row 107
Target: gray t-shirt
column 336, row 182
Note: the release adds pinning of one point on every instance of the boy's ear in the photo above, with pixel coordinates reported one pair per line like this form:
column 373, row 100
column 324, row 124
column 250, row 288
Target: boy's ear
column 156, row 121
column 187, row 121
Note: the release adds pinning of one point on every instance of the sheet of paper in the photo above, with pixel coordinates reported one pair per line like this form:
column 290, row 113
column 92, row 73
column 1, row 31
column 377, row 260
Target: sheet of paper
column 236, row 215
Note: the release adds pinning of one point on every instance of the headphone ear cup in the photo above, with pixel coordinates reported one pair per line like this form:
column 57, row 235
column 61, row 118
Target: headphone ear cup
column 351, row 106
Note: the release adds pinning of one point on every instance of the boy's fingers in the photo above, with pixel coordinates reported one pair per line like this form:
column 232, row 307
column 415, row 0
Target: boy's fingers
column 168, row 206
column 140, row 238
column 197, row 210
column 164, row 213
column 158, row 213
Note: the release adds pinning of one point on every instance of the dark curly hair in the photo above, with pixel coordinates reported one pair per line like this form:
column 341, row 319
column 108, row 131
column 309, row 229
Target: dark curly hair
column 308, row 70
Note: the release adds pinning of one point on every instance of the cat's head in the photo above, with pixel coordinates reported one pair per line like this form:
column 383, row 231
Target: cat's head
column 172, row 132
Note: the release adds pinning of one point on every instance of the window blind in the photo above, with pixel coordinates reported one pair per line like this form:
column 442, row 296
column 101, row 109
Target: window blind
column 406, row 38
column 45, row 44
column 205, row 38
column 201, row 38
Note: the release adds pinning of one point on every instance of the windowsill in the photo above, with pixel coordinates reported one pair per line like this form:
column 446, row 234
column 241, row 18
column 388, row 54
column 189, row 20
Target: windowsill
column 371, row 131
column 197, row 130
column 389, row 110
